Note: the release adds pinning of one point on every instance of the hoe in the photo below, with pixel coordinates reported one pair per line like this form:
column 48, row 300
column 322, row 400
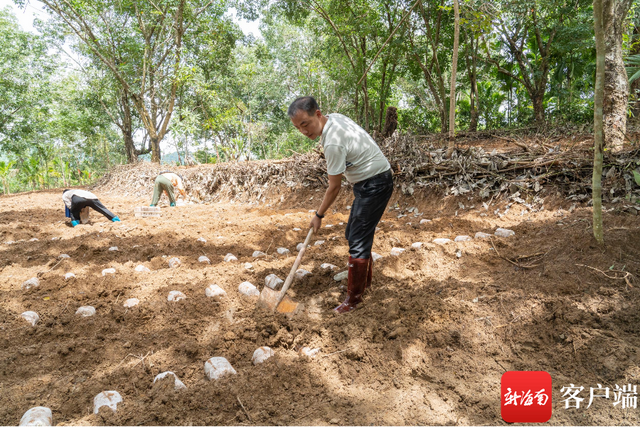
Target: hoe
column 277, row 301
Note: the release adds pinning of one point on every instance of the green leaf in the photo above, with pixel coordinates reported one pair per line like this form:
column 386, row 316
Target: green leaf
column 635, row 76
column 636, row 176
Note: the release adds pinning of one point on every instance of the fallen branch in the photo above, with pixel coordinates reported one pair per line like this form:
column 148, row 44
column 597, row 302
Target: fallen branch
column 141, row 359
column 43, row 273
column 628, row 277
column 244, row 409
column 522, row 257
column 525, row 147
column 514, row 262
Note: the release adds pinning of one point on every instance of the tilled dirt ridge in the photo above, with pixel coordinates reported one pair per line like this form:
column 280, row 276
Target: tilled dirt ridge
column 428, row 345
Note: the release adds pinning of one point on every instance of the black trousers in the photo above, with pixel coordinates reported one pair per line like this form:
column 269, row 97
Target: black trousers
column 371, row 198
column 78, row 203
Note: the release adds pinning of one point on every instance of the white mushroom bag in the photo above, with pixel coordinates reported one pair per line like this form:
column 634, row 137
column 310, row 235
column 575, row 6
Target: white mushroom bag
column 84, row 215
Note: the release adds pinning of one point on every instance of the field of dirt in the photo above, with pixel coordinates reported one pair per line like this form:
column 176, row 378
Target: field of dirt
column 429, row 344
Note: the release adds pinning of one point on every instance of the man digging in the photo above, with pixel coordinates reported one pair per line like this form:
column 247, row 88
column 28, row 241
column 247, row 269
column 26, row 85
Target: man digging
column 349, row 151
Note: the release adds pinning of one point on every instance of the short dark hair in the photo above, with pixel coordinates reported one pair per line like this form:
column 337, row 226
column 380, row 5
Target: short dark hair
column 304, row 103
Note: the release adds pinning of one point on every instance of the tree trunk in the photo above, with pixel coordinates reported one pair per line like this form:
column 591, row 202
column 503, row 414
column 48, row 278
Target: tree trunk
column 365, row 103
column 616, row 84
column 538, row 108
column 570, row 86
column 127, row 131
column 155, row 149
column 390, row 122
column 635, row 86
column 444, row 116
column 355, row 102
column 452, row 92
column 473, row 119
column 509, row 105
column 218, row 144
column 444, row 123
column 365, row 90
column 186, row 150
column 473, row 122
column 64, row 177
column 598, row 124
column 178, row 153
column 382, row 92
column 470, row 60
column 132, row 156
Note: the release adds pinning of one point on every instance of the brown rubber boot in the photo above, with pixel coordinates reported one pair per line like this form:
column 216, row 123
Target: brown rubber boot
column 358, row 268
column 369, row 275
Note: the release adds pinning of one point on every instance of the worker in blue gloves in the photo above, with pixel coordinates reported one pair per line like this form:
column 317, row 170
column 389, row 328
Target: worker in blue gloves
column 168, row 182
column 76, row 201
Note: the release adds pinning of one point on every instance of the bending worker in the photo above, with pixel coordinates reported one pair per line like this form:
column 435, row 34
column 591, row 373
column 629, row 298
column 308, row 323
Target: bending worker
column 78, row 200
column 166, row 182
column 349, row 151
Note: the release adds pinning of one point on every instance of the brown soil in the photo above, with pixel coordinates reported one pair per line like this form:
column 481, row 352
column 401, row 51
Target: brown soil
column 428, row 345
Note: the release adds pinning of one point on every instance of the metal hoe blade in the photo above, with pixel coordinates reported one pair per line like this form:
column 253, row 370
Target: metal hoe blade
column 269, row 299
column 278, row 301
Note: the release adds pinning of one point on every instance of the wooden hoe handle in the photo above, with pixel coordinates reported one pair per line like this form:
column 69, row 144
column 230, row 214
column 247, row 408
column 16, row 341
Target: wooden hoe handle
column 287, row 283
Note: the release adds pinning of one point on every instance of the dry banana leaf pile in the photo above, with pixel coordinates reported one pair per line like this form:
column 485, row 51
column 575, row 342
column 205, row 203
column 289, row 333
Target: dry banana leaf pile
column 233, row 180
column 532, row 169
